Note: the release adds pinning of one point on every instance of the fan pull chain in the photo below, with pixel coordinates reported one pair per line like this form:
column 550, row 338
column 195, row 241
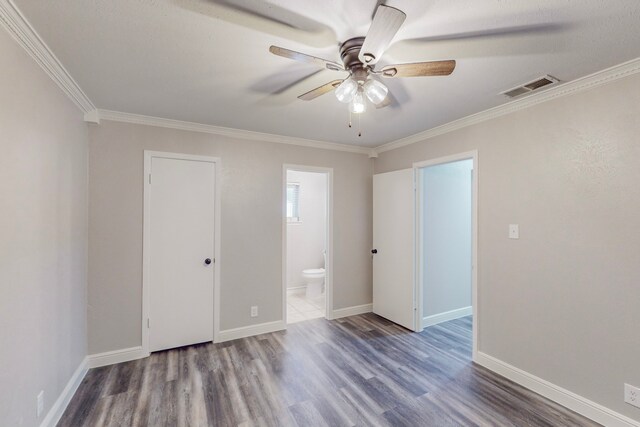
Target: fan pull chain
column 351, row 125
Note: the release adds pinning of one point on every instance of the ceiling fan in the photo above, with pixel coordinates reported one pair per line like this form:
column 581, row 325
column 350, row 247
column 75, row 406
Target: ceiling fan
column 359, row 56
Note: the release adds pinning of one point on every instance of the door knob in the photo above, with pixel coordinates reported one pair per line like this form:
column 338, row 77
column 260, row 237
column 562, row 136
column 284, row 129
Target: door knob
column 374, row 251
column 207, row 261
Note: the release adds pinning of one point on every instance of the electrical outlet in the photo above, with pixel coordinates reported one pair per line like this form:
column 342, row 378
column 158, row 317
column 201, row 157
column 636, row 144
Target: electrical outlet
column 632, row 395
column 254, row 311
column 40, row 403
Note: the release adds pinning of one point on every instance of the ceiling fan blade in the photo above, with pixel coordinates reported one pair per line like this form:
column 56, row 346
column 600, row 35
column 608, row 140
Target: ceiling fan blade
column 502, row 41
column 264, row 17
column 313, row 94
column 269, row 11
column 385, row 25
column 282, row 88
column 419, row 69
column 284, row 80
column 497, row 32
column 302, row 57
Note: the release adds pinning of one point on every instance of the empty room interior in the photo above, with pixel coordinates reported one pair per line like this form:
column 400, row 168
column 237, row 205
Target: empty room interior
column 319, row 213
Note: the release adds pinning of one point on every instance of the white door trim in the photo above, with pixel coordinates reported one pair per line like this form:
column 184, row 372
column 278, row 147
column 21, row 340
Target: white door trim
column 473, row 155
column 328, row 278
column 146, row 243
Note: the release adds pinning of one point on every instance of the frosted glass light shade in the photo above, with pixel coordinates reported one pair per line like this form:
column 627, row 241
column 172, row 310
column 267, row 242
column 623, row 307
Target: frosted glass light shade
column 376, row 91
column 358, row 104
column 346, row 90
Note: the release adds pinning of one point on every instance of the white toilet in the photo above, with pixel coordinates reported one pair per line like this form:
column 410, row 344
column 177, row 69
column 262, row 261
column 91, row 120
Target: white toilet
column 314, row 277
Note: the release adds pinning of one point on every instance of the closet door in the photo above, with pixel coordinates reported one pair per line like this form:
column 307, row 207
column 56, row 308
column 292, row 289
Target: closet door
column 181, row 252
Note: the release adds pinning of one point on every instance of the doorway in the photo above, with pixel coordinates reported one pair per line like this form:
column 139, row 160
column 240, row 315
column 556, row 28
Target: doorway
column 446, row 241
column 306, row 243
column 180, row 250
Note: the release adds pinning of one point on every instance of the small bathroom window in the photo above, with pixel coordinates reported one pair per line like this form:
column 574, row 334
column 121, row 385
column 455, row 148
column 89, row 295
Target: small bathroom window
column 293, row 202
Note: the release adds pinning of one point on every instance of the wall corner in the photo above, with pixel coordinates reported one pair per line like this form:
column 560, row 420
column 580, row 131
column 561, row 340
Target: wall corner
column 92, row 116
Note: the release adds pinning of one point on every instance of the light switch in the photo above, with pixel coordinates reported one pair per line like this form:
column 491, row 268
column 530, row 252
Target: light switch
column 514, row 231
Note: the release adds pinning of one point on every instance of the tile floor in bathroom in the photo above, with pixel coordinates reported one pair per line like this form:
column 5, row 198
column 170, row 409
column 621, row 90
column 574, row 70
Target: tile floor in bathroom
column 300, row 308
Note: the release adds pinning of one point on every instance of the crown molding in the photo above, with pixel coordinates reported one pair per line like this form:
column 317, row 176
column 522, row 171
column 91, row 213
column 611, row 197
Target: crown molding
column 92, row 116
column 117, row 116
column 596, row 79
column 19, row 28
column 17, row 25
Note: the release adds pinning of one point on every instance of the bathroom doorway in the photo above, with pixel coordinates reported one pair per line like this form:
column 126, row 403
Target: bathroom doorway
column 306, row 243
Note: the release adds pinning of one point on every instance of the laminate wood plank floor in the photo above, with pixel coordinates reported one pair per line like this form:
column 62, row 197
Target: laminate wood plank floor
column 361, row 370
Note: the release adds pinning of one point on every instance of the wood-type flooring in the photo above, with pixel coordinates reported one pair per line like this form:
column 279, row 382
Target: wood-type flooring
column 360, row 370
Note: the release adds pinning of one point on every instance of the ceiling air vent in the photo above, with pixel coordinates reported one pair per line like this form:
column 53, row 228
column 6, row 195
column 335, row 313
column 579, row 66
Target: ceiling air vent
column 530, row 87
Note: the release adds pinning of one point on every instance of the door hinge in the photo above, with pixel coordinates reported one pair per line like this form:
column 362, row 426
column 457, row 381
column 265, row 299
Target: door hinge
column 148, row 323
column 149, row 178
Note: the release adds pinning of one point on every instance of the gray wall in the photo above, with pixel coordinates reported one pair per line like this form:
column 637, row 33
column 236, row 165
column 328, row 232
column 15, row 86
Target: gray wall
column 43, row 237
column 306, row 239
column 251, row 258
column 446, row 191
column 561, row 302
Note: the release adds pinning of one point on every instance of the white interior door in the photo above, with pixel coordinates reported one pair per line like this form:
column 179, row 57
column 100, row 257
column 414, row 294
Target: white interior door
column 393, row 239
column 182, row 214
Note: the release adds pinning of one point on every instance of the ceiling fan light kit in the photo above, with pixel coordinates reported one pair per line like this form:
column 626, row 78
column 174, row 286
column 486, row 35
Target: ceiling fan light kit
column 358, row 105
column 359, row 56
column 346, row 91
column 376, row 91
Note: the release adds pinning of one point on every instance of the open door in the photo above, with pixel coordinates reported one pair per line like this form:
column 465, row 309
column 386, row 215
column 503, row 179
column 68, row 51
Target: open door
column 393, row 247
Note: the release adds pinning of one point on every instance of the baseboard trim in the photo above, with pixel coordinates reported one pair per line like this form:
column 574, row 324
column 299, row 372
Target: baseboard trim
column 446, row 316
column 294, row 290
column 116, row 356
column 61, row 403
column 249, row 331
column 352, row 311
column 566, row 398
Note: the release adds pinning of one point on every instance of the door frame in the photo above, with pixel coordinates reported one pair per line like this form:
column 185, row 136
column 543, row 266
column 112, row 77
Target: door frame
column 146, row 240
column 468, row 155
column 328, row 277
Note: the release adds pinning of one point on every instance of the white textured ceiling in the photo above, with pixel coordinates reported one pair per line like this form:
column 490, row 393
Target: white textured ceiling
column 207, row 62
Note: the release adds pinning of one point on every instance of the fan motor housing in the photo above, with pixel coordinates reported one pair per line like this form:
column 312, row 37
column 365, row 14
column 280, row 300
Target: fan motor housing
column 349, row 51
